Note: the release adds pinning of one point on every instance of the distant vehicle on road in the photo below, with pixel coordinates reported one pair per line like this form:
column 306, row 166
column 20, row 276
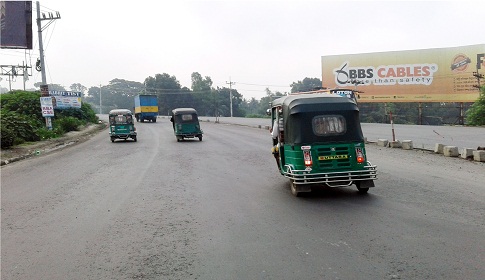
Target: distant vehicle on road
column 121, row 125
column 146, row 107
column 185, row 124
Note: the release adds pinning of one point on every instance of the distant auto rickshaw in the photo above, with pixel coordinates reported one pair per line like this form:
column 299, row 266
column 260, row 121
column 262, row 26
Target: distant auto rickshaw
column 319, row 141
column 185, row 124
column 121, row 125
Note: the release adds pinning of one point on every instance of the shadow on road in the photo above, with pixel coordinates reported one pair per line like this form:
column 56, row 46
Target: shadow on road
column 347, row 194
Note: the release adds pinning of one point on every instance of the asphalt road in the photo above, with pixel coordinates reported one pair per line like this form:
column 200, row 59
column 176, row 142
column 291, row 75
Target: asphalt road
column 218, row 209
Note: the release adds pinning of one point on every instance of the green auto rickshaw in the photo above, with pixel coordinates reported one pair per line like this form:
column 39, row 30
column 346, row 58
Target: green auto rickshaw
column 318, row 140
column 121, row 125
column 185, row 124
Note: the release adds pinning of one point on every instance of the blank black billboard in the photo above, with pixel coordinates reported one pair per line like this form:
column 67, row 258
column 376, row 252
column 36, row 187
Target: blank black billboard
column 16, row 24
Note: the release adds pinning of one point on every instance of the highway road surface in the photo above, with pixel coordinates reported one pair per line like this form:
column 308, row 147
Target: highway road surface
column 218, row 209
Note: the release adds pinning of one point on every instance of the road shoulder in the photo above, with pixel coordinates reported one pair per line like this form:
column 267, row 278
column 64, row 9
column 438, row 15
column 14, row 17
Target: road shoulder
column 28, row 150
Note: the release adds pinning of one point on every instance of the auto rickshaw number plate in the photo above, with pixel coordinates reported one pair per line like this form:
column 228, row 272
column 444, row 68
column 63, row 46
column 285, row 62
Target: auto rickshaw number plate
column 333, row 157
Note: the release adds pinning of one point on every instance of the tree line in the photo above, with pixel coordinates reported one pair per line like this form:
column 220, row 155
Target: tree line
column 214, row 101
column 202, row 95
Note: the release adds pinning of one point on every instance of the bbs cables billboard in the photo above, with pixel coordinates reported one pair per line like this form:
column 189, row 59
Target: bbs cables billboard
column 428, row 75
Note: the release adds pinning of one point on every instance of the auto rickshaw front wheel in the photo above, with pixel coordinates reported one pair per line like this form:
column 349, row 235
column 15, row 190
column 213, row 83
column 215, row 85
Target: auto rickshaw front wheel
column 200, row 137
column 112, row 139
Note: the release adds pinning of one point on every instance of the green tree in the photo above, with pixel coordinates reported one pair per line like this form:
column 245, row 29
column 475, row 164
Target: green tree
column 307, row 84
column 25, row 103
column 476, row 114
column 117, row 94
column 199, row 84
column 78, row 87
column 225, row 102
column 169, row 92
column 51, row 86
column 202, row 94
column 251, row 108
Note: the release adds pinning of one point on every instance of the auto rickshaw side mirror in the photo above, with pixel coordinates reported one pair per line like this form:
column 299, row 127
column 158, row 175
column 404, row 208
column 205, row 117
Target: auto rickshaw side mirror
column 268, row 112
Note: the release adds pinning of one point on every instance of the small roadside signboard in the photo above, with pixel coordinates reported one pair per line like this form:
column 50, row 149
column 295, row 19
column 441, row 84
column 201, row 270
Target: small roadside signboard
column 46, row 106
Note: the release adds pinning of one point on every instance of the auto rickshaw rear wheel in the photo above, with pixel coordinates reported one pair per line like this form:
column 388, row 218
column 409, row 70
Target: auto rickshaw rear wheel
column 134, row 138
column 362, row 190
column 294, row 189
column 363, row 186
column 200, row 138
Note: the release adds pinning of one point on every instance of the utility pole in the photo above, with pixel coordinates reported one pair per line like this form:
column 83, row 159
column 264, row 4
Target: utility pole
column 43, row 86
column 13, row 71
column 230, row 92
column 51, row 18
column 480, row 61
column 478, row 76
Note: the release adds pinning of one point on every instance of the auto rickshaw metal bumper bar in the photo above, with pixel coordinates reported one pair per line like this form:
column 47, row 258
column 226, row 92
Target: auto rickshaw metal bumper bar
column 343, row 178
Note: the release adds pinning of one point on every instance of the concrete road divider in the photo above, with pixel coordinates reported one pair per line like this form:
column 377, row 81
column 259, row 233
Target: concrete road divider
column 450, row 151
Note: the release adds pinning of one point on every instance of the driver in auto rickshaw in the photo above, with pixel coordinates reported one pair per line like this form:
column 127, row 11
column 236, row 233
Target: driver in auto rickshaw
column 275, row 133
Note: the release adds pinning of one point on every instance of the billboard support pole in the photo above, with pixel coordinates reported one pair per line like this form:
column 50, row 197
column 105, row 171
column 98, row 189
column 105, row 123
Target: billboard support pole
column 461, row 122
column 420, row 113
column 392, row 127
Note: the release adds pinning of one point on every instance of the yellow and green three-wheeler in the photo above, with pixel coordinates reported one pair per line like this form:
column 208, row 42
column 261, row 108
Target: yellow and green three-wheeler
column 319, row 141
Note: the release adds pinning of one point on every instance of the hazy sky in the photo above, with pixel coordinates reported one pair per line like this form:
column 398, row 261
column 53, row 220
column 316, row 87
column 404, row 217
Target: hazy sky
column 256, row 44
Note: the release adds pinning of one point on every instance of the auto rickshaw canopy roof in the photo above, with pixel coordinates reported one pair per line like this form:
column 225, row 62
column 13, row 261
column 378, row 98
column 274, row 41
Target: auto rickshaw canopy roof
column 120, row 112
column 179, row 111
column 314, row 102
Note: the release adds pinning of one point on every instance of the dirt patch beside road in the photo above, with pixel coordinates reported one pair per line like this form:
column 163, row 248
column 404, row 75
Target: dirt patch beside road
column 23, row 151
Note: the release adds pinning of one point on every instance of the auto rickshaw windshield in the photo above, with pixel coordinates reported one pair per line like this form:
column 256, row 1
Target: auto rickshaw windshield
column 186, row 118
column 315, row 127
column 121, row 119
column 311, row 119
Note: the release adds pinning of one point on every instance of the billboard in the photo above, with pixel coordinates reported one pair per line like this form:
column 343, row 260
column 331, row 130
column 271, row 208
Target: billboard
column 428, row 75
column 16, row 24
column 66, row 99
